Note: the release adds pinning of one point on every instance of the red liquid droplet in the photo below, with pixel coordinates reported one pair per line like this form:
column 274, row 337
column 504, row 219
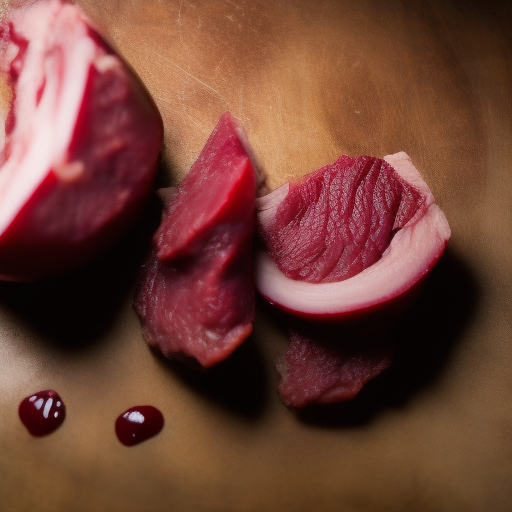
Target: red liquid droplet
column 42, row 413
column 138, row 424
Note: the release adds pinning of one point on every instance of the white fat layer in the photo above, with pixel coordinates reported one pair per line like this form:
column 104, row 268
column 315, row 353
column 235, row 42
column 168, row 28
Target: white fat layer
column 267, row 205
column 408, row 258
column 404, row 167
column 60, row 58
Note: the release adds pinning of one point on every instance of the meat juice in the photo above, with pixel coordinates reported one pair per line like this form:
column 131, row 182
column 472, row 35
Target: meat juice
column 42, row 413
column 138, row 424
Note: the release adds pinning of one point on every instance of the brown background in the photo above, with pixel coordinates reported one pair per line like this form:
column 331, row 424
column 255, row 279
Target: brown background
column 310, row 80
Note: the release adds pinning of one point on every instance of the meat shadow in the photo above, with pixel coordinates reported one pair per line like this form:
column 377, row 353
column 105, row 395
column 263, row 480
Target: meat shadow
column 238, row 384
column 71, row 311
column 424, row 336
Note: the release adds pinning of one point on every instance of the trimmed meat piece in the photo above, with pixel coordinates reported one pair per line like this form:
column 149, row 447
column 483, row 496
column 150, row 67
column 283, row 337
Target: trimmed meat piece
column 324, row 368
column 196, row 296
column 406, row 218
column 340, row 219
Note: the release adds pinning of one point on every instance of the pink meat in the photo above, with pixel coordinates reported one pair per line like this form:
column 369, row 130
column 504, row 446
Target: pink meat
column 340, row 219
column 82, row 142
column 405, row 217
column 326, row 369
column 196, row 297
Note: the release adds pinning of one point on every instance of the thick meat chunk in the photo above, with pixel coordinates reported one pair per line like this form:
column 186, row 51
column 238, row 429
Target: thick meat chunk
column 196, row 297
column 395, row 230
column 82, row 142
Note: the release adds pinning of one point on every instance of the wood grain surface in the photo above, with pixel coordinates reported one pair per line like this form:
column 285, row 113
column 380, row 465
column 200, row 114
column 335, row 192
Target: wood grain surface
column 310, row 81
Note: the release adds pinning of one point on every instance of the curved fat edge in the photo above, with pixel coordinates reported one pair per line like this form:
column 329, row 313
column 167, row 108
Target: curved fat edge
column 402, row 164
column 418, row 245
column 266, row 206
column 31, row 160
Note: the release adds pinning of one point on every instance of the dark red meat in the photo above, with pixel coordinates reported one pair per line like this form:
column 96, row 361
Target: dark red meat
column 326, row 367
column 196, row 297
column 340, row 219
column 367, row 233
column 82, row 142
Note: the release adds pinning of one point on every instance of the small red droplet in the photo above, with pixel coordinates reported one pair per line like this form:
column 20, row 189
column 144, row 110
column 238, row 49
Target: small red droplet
column 42, row 413
column 138, row 424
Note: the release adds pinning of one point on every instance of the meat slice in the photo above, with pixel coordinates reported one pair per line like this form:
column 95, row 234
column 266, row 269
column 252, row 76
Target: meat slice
column 366, row 231
column 340, row 219
column 82, row 140
column 196, row 296
column 325, row 366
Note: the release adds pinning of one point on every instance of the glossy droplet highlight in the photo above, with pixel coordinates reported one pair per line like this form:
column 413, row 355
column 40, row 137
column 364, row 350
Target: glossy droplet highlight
column 42, row 412
column 138, row 424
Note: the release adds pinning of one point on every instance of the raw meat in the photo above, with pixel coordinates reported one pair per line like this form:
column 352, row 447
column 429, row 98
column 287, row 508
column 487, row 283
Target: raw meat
column 395, row 234
column 350, row 238
column 339, row 220
column 82, row 142
column 196, row 296
column 326, row 366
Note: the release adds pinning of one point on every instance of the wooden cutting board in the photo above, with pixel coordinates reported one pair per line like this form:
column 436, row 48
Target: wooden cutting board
column 310, row 81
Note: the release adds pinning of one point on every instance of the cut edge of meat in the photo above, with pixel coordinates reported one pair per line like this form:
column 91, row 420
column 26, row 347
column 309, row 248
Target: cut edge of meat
column 174, row 243
column 215, row 356
column 226, row 275
column 420, row 244
column 345, row 384
column 25, row 158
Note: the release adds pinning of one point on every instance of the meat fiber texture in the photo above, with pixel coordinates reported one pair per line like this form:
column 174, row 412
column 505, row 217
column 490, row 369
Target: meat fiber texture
column 196, row 295
column 82, row 140
column 350, row 237
column 327, row 365
column 347, row 240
